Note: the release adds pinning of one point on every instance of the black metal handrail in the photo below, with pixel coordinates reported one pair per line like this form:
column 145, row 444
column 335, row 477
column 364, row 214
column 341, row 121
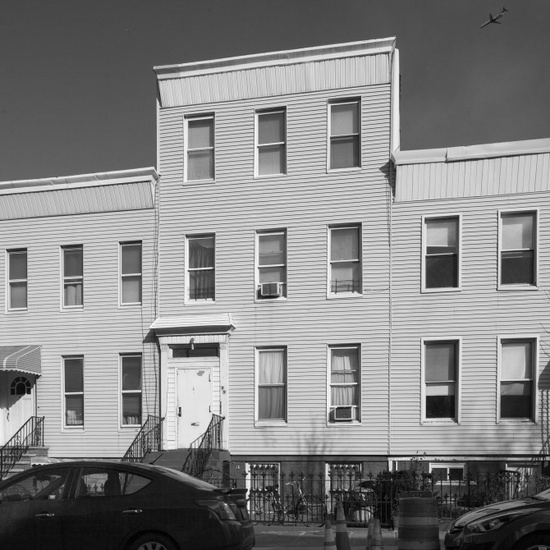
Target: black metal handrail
column 201, row 449
column 31, row 434
column 147, row 440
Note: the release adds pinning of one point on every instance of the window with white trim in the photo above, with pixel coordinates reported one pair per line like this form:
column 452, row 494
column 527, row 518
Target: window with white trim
column 518, row 358
column 345, row 260
column 271, row 142
column 201, row 268
column 271, row 262
column 518, row 250
column 441, row 247
column 130, row 273
column 451, row 471
column 199, row 148
column 73, row 276
column 131, row 398
column 345, row 387
column 441, row 379
column 73, row 381
column 345, row 134
column 343, row 477
column 17, row 279
column 271, row 384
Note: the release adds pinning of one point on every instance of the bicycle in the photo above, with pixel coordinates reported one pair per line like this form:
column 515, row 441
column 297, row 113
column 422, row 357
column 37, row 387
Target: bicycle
column 267, row 503
column 298, row 509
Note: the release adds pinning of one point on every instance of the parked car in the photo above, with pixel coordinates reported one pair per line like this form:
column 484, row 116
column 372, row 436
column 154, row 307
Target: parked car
column 237, row 502
column 522, row 524
column 116, row 506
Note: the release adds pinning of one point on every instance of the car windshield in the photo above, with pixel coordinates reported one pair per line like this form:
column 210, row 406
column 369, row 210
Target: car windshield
column 543, row 495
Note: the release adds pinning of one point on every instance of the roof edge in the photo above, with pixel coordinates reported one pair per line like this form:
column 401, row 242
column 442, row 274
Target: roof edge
column 473, row 152
column 81, row 180
column 284, row 57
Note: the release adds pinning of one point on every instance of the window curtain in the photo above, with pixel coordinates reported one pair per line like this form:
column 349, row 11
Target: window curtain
column 517, row 374
column 201, row 265
column 344, row 377
column 73, row 294
column 272, row 385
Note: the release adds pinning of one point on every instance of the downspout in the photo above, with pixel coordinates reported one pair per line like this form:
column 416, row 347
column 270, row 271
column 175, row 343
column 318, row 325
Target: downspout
column 156, row 304
column 395, row 144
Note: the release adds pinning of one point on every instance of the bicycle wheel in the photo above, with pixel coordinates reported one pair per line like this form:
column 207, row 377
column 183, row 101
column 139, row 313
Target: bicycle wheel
column 303, row 511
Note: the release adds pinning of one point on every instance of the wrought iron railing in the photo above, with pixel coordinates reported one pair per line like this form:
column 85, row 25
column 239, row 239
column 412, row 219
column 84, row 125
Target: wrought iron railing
column 147, row 440
column 276, row 497
column 31, row 434
column 201, row 449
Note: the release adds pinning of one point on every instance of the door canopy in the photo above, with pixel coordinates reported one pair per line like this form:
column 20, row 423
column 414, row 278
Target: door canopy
column 21, row 359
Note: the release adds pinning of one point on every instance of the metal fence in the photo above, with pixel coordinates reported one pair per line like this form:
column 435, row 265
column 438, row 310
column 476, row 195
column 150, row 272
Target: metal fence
column 306, row 499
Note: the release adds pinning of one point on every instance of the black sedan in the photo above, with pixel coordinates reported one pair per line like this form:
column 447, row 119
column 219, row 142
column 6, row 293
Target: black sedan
column 116, row 506
column 522, row 524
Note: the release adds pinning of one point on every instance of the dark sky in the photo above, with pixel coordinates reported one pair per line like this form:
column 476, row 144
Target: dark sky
column 77, row 89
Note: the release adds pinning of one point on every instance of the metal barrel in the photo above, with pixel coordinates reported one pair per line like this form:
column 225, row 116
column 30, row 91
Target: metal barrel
column 418, row 524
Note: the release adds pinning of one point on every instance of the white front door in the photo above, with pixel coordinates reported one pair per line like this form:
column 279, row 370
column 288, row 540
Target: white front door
column 20, row 402
column 194, row 403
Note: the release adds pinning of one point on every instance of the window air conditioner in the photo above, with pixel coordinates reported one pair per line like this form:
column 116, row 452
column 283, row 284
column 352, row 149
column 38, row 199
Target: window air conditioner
column 343, row 414
column 271, row 290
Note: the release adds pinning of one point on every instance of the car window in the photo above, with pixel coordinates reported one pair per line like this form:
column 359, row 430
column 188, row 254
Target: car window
column 106, row 482
column 37, row 485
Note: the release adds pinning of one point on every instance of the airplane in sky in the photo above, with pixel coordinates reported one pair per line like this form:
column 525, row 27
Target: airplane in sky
column 494, row 19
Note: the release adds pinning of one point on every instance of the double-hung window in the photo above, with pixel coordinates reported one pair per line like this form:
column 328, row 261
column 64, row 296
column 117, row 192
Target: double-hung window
column 200, row 267
column 441, row 261
column 17, row 279
column 447, row 471
column 441, row 359
column 345, row 260
column 518, row 360
column 73, row 372
column 271, row 142
column 130, row 273
column 518, row 250
column 131, row 389
column 345, row 387
column 73, row 276
column 345, row 134
column 271, row 248
column 271, row 385
column 199, row 147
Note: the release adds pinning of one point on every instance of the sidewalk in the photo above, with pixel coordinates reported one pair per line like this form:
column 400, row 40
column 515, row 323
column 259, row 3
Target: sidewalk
column 295, row 537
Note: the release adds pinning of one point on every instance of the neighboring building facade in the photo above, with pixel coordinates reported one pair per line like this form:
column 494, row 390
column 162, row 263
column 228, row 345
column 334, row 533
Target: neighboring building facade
column 79, row 270
column 274, row 254
column 470, row 302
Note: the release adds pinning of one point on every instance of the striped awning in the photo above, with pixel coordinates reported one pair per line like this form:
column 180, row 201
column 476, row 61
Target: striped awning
column 20, row 358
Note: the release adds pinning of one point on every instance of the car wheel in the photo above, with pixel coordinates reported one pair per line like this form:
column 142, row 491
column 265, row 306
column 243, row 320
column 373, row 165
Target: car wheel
column 153, row 541
column 534, row 542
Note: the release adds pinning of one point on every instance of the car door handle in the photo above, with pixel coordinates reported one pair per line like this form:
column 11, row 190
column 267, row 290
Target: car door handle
column 45, row 515
column 135, row 511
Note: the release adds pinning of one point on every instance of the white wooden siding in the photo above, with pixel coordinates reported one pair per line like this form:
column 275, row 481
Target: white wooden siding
column 82, row 200
column 99, row 332
column 305, row 202
column 473, row 178
column 478, row 314
column 231, row 81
